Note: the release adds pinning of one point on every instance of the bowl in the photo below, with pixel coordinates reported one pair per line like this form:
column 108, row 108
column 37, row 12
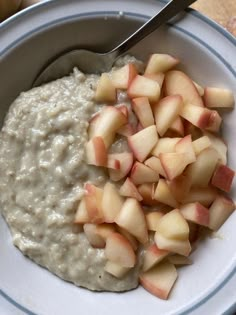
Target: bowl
column 28, row 41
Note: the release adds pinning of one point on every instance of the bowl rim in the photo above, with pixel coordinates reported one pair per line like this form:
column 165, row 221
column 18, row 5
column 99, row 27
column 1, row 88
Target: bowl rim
column 190, row 11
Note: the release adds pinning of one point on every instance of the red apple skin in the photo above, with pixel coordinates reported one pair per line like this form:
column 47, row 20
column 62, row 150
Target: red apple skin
column 200, row 214
column 223, row 178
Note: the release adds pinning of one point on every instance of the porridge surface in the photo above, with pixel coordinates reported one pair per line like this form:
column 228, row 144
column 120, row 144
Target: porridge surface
column 43, row 171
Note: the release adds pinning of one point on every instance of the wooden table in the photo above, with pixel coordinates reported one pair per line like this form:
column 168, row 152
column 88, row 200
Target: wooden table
column 222, row 11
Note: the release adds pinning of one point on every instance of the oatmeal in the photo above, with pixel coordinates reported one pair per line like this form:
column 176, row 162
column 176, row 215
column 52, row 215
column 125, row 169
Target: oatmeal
column 43, row 171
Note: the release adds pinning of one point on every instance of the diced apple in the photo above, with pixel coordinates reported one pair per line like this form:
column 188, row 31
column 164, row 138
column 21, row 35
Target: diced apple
column 204, row 195
column 96, row 152
column 173, row 226
column 159, row 280
column 119, row 250
column 199, row 88
column 179, row 260
column 218, row 98
column 123, row 109
column 143, row 142
column 181, row 247
column 141, row 174
column 219, row 211
column 176, row 129
column 132, row 219
column 180, row 187
column 174, row 163
column 93, row 125
column 128, row 189
column 81, row 215
column 201, row 171
column 152, row 218
column 106, row 91
column 153, row 256
column 166, row 111
column 112, row 202
column 143, row 111
column 116, row 270
column 185, row 146
column 158, row 77
column 126, row 130
column 113, row 163
column 146, row 191
column 214, row 122
column 105, row 229
column 133, row 241
column 93, row 201
column 198, row 116
column 123, row 77
column 110, row 120
column 95, row 240
column 155, row 164
column 142, row 86
column 223, row 177
column 201, row 144
column 164, row 145
column 160, row 63
column 195, row 212
column 164, row 195
column 219, row 145
column 125, row 160
column 177, row 82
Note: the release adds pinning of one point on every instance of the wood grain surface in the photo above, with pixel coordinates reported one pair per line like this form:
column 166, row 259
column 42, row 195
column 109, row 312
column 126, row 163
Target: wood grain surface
column 222, row 11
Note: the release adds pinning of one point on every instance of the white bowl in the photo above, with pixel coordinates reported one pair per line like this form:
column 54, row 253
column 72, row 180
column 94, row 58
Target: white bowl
column 207, row 52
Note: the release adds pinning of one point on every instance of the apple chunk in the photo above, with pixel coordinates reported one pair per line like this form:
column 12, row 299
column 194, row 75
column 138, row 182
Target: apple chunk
column 93, row 201
column 177, row 82
column 119, row 250
column 123, row 77
column 96, row 152
column 152, row 219
column 201, row 144
column 106, row 91
column 181, row 247
column 219, row 145
column 81, row 215
column 112, row 202
column 146, row 191
column 155, row 164
column 143, row 142
column 166, row 111
column 204, row 195
column 95, row 240
column 143, row 111
column 153, row 256
column 173, row 226
column 185, row 146
column 116, row 270
column 128, row 189
column 179, row 260
column 219, row 211
column 163, row 194
column 180, row 187
column 223, row 177
column 195, row 212
column 174, row 163
column 165, row 145
column 201, row 171
column 125, row 161
column 159, row 280
column 132, row 219
column 218, row 98
column 109, row 121
column 198, row 116
column 141, row 174
column 160, row 63
column 142, row 86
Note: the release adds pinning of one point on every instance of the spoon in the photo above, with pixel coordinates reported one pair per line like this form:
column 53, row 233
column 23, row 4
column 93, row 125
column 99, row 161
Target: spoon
column 92, row 62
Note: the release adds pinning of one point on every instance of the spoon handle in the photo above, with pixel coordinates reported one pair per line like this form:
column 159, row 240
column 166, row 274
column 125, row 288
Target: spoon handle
column 170, row 10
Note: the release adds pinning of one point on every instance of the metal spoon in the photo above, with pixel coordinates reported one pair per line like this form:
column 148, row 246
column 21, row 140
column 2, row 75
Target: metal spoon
column 92, row 62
